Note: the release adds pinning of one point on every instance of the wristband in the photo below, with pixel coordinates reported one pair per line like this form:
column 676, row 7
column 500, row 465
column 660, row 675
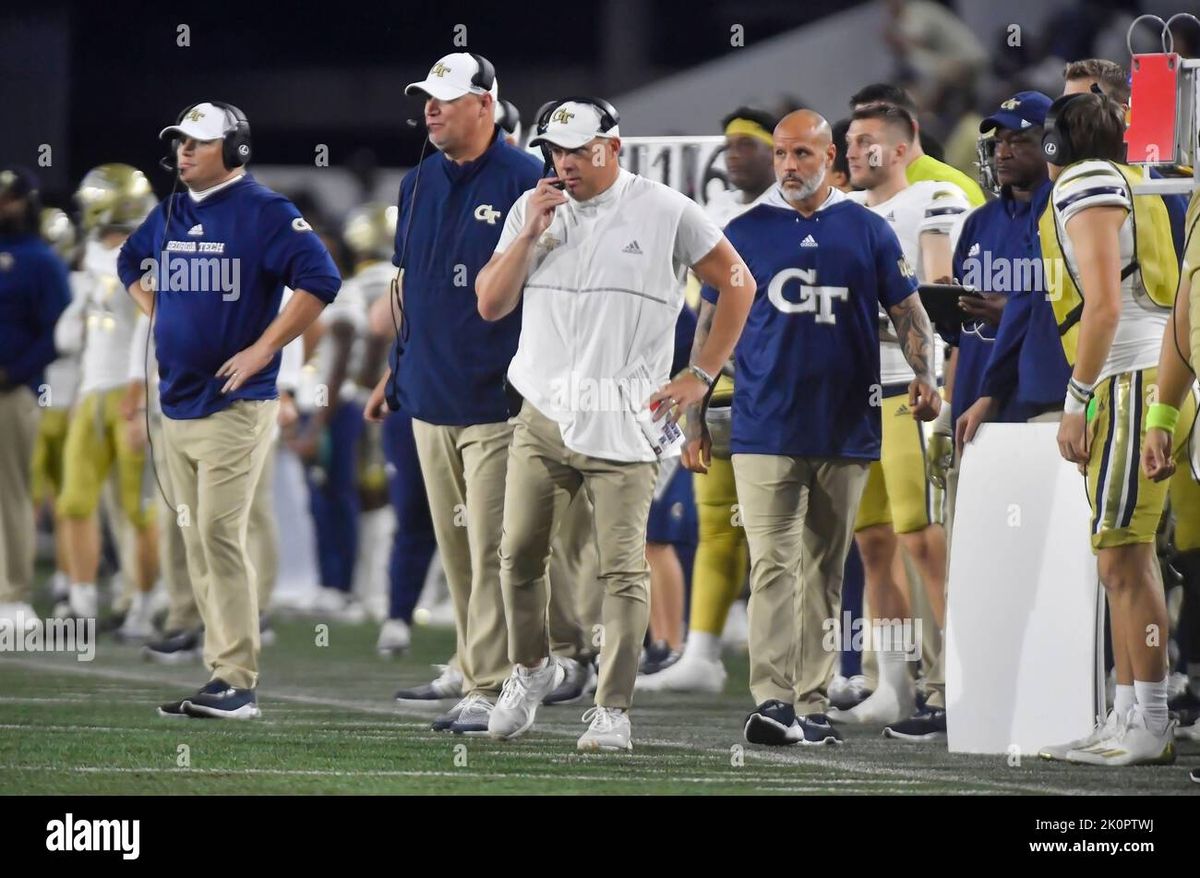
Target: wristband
column 1162, row 416
column 708, row 380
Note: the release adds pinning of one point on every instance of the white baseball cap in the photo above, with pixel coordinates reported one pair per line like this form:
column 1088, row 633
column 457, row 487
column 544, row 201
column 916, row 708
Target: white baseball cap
column 450, row 79
column 572, row 124
column 204, row 121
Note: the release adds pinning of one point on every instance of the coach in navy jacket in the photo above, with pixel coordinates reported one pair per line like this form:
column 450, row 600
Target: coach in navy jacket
column 447, row 368
column 33, row 293
column 209, row 265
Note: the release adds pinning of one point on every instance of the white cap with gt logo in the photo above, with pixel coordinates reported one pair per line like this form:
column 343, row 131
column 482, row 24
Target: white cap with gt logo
column 204, row 121
column 451, row 78
column 572, row 124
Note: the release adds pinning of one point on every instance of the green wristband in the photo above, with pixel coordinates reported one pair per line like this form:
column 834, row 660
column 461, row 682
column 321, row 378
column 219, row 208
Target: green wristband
column 1091, row 409
column 1162, row 416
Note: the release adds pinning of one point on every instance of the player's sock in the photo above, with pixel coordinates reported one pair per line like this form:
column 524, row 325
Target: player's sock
column 85, row 603
column 1193, row 672
column 1152, row 702
column 701, row 644
column 1124, row 699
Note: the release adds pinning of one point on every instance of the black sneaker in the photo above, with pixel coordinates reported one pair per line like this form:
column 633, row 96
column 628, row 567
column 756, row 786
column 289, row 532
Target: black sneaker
column 1186, row 708
column 571, row 689
column 219, row 700
column 928, row 724
column 175, row 647
column 772, row 723
column 816, row 729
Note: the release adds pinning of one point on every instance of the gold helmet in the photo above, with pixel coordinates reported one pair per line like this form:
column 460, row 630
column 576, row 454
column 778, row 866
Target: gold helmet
column 59, row 232
column 370, row 231
column 114, row 196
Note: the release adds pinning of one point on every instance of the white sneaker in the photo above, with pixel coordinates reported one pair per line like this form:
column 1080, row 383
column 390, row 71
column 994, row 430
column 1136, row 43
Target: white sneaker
column 1104, row 729
column 339, row 606
column 1132, row 744
column 884, row 706
column 20, row 616
column 847, row 692
column 737, row 627
column 690, row 674
column 609, row 730
column 394, row 638
column 519, row 699
column 84, row 601
column 137, row 624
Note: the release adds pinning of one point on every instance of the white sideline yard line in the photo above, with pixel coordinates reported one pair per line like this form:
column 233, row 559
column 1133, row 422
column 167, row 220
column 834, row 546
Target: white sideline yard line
column 462, row 773
column 793, row 757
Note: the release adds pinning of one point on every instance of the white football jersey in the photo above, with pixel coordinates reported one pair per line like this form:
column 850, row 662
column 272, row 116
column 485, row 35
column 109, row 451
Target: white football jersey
column 109, row 318
column 924, row 206
column 1141, row 328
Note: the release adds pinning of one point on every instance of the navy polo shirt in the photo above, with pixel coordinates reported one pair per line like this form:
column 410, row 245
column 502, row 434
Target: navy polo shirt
column 449, row 364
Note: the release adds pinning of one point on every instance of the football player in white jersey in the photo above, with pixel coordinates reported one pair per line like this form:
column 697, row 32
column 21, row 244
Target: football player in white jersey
column 113, row 200
column 926, row 217
column 1112, row 305
column 62, row 381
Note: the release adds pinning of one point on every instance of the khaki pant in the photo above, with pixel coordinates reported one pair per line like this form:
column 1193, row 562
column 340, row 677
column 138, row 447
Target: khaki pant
column 935, row 678
column 19, row 415
column 575, row 594
column 262, row 542
column 799, row 519
column 214, row 465
column 463, row 469
column 543, row 477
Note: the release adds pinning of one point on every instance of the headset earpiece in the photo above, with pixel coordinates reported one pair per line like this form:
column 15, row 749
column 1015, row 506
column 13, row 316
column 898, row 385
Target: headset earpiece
column 1057, row 148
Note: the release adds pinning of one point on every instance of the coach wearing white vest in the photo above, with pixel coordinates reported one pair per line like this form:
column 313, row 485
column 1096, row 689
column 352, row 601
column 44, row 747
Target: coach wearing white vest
column 601, row 264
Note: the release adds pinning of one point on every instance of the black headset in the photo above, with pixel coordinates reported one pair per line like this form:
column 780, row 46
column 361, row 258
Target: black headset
column 485, row 76
column 609, row 119
column 1057, row 147
column 235, row 148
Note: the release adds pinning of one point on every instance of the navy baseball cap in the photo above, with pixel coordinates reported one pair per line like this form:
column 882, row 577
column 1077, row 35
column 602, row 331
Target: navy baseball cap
column 17, row 181
column 1025, row 109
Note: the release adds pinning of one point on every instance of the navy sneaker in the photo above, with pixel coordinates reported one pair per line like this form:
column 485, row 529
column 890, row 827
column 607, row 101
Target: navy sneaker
column 219, row 700
column 816, row 729
column 928, row 724
column 772, row 723
column 653, row 655
column 175, row 647
column 173, row 710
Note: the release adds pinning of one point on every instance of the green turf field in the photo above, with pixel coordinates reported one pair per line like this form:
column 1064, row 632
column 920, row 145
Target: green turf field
column 330, row 726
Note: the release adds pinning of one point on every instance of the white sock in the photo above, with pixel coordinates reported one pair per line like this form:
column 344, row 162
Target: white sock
column 1193, row 672
column 1124, row 699
column 1152, row 702
column 893, row 671
column 60, row 584
column 704, row 645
